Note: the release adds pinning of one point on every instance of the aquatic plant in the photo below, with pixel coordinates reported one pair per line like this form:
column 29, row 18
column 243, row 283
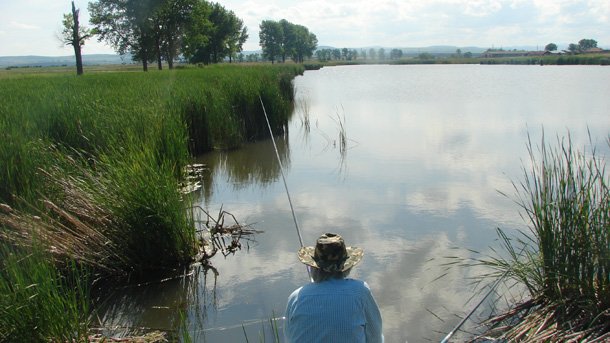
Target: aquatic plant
column 303, row 109
column 38, row 303
column 192, row 110
column 565, row 259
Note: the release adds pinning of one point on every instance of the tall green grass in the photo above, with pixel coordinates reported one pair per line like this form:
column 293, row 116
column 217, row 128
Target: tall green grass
column 564, row 259
column 37, row 302
column 174, row 113
column 92, row 165
column 566, row 199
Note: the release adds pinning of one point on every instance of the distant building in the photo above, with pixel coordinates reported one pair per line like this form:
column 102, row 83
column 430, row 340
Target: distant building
column 503, row 53
column 595, row 51
column 538, row 53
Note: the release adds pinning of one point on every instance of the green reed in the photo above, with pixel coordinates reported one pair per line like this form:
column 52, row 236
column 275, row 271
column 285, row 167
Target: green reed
column 212, row 107
column 37, row 302
column 564, row 259
column 93, row 166
column 568, row 205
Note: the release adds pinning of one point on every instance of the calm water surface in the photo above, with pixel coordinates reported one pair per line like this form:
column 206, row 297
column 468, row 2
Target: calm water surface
column 428, row 149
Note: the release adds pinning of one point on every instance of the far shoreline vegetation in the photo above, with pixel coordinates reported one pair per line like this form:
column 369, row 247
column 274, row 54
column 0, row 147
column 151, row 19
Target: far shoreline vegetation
column 592, row 59
column 521, row 57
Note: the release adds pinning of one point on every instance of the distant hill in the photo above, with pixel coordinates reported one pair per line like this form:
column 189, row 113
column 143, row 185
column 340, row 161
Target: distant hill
column 52, row 61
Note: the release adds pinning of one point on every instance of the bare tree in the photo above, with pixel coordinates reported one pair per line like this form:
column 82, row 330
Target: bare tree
column 75, row 35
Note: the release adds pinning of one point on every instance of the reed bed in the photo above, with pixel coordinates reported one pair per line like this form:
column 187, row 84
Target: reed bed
column 173, row 113
column 564, row 259
column 38, row 303
column 91, row 170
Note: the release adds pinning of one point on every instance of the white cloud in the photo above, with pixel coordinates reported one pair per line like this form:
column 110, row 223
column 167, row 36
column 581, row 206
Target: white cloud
column 23, row 26
column 481, row 8
column 359, row 23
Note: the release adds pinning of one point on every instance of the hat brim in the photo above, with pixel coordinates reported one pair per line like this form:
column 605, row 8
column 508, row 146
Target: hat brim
column 354, row 256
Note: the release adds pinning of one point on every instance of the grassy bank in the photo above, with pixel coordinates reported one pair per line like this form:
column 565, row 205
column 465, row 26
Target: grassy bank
column 38, row 303
column 91, row 166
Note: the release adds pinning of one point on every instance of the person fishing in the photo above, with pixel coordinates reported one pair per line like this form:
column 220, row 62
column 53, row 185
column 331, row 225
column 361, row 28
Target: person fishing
column 333, row 308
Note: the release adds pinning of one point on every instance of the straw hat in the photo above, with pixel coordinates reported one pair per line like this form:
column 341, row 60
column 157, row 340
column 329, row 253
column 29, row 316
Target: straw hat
column 330, row 254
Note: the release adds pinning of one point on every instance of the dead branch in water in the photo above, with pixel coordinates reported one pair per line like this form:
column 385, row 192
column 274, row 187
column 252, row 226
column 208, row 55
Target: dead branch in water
column 151, row 337
column 216, row 236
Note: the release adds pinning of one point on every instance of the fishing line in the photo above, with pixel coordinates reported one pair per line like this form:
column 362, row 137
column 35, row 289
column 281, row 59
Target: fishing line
column 277, row 154
column 245, row 323
column 452, row 332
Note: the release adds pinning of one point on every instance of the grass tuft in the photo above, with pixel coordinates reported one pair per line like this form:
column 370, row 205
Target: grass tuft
column 565, row 259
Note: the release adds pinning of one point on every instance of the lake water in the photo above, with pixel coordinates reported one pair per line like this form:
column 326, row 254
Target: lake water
column 428, row 148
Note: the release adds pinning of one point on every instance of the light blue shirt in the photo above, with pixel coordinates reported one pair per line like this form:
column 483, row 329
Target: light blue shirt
column 336, row 310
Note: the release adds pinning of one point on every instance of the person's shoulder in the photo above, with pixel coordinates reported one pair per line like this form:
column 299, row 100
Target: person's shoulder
column 358, row 284
column 295, row 293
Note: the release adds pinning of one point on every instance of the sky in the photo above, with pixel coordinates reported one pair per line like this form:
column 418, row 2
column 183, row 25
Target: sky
column 30, row 27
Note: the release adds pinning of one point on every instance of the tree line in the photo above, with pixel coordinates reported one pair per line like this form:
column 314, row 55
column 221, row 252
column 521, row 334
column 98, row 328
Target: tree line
column 582, row 46
column 196, row 31
column 162, row 30
column 282, row 39
column 345, row 54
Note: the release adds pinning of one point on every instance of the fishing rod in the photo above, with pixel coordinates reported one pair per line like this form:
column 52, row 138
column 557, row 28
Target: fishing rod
column 452, row 332
column 277, row 154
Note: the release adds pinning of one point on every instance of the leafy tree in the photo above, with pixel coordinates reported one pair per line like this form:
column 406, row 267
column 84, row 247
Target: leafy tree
column 281, row 39
column 163, row 29
column 363, row 54
column 127, row 25
column 458, row 52
column 173, row 19
column 372, row 53
column 381, row 54
column 271, row 39
column 288, row 38
column 226, row 37
column 237, row 36
column 324, row 55
column 197, row 30
column 74, row 34
column 550, row 47
column 253, row 57
column 304, row 43
column 336, row 54
column 586, row 44
column 468, row 54
column 344, row 53
column 395, row 54
column 574, row 48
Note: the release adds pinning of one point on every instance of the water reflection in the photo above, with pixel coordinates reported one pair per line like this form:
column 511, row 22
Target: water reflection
column 255, row 163
column 158, row 305
column 434, row 145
